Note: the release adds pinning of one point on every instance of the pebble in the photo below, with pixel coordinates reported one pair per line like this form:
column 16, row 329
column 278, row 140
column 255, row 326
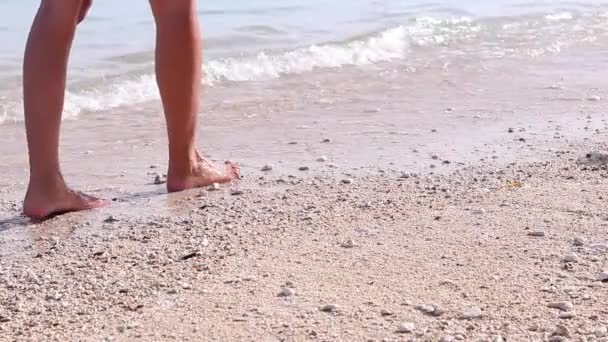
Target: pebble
column 580, row 241
column 304, row 168
column 594, row 98
column 347, row 181
column 236, row 192
column 186, row 286
column 563, row 306
column 601, row 332
column 561, row 330
column 430, row 310
column 599, row 247
column 172, row 291
column 348, row 244
column 285, row 292
column 596, row 284
column 537, row 234
column 405, row 328
column 471, row 313
column 326, row 140
column 267, row 167
column 567, row 315
column 322, row 159
column 111, row 219
column 214, row 187
column 570, row 257
column 158, row 180
column 603, row 277
column 385, row 313
column 447, row 338
column 329, row 308
column 479, row 212
column 557, row 339
column 435, row 157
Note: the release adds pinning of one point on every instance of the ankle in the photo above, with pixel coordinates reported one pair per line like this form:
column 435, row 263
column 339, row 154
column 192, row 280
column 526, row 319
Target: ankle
column 46, row 181
column 183, row 165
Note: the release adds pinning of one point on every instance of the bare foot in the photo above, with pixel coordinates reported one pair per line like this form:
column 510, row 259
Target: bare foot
column 42, row 205
column 204, row 174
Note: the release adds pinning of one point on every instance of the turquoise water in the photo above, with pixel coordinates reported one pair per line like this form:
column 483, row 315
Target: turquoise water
column 265, row 39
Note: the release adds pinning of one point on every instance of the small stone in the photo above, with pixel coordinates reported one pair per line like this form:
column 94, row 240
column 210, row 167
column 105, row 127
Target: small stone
column 158, row 180
column 435, row 157
column 111, row 219
column 447, row 338
column 511, row 130
column 561, row 330
column 347, row 181
column 322, row 159
column 603, row 277
column 326, row 140
column 405, row 328
column 214, row 187
column 580, row 241
column 498, row 338
column 567, row 315
column 557, row 339
column 479, row 212
column 537, row 234
column 601, row 332
column 563, row 306
column 385, row 313
column 599, row 247
column 236, row 192
column 304, row 168
column 172, row 291
column 186, row 286
column 267, row 168
column 348, row 244
column 471, row 313
column 594, row 98
column 570, row 257
column 285, row 292
column 330, row 308
column 430, row 310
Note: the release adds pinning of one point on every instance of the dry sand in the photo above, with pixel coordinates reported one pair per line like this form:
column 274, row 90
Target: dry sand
column 478, row 255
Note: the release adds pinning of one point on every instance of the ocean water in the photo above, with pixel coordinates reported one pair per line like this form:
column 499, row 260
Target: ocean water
column 262, row 40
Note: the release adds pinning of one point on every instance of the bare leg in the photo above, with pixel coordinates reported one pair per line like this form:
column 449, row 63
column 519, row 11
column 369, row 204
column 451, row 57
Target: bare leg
column 178, row 71
column 44, row 78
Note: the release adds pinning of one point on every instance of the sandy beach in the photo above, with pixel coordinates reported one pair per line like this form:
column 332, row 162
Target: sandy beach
column 411, row 172
column 472, row 220
column 510, row 254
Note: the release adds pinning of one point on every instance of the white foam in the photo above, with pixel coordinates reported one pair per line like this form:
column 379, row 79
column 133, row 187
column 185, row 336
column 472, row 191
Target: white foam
column 559, row 16
column 385, row 46
column 388, row 45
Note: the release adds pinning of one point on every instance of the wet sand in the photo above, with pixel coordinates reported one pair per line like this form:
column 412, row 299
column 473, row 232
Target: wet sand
column 448, row 209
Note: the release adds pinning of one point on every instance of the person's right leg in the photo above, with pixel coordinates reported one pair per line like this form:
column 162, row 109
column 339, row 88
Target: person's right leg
column 178, row 71
column 44, row 78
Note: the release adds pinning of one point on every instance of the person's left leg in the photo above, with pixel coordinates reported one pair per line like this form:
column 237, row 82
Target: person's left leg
column 178, row 72
column 44, row 78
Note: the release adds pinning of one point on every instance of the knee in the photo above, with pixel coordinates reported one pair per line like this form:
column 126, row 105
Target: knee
column 65, row 13
column 173, row 9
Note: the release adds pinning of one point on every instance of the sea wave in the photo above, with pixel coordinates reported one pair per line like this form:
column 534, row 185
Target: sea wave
column 481, row 37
